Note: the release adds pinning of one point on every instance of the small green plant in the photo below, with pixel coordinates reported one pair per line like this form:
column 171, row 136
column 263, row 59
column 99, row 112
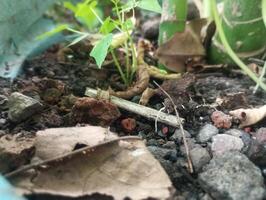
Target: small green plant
column 115, row 31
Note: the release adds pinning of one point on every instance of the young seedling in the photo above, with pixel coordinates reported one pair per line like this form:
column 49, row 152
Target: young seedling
column 114, row 31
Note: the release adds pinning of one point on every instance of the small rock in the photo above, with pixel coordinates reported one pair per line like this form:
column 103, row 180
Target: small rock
column 232, row 176
column 221, row 120
column 2, row 122
column 261, row 135
column 179, row 136
column 3, row 102
column 234, row 132
column 199, row 157
column 206, row 133
column 162, row 154
column 169, row 145
column 257, row 153
column 128, row 124
column 94, row 112
column 223, row 143
column 22, row 107
column 191, row 144
column 245, row 137
column 167, row 159
column 152, row 142
column 15, row 152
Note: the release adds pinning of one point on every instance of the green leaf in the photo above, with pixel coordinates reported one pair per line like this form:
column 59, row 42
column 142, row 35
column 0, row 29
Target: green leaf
column 20, row 23
column 70, row 6
column 151, row 5
column 54, row 31
column 100, row 50
column 108, row 26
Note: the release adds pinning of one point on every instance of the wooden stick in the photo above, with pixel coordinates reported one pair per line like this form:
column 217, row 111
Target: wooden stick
column 135, row 108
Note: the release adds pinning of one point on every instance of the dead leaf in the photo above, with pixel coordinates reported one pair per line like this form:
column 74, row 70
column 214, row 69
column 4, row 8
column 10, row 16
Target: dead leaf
column 250, row 116
column 183, row 48
column 54, row 142
column 119, row 168
column 15, row 151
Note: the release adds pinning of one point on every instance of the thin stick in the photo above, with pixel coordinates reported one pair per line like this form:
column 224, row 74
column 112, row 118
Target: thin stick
column 135, row 108
column 190, row 166
column 45, row 162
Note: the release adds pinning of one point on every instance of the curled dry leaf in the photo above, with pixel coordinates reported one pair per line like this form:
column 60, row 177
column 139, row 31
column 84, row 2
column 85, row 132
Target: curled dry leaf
column 183, row 48
column 15, row 152
column 54, row 142
column 118, row 169
column 250, row 116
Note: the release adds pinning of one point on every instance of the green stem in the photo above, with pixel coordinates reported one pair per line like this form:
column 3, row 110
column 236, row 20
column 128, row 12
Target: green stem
column 119, row 67
column 263, row 8
column 229, row 50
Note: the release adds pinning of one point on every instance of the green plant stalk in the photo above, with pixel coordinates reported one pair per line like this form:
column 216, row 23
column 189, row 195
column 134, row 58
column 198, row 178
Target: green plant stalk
column 124, row 78
column 243, row 26
column 119, row 67
column 229, row 50
column 263, row 8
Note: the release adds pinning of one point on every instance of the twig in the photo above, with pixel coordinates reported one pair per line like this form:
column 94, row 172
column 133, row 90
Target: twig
column 190, row 167
column 135, row 108
column 82, row 150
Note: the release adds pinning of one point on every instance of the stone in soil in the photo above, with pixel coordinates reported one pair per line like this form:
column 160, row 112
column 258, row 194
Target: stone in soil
column 232, row 176
column 221, row 120
column 3, row 102
column 179, row 136
column 15, row 152
column 206, row 133
column 199, row 157
column 223, row 143
column 257, row 150
column 22, row 107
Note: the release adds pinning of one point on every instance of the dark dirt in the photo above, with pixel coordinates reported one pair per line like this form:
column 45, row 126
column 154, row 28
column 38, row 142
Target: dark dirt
column 58, row 84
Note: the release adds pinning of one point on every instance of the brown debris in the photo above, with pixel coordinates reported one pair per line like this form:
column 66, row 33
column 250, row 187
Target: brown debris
column 232, row 101
column 221, row 120
column 94, row 112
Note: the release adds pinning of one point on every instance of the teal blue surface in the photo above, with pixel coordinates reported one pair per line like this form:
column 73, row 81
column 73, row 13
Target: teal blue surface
column 7, row 192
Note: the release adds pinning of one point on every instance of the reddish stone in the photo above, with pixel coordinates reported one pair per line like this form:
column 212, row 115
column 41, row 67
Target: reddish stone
column 221, row 120
column 94, row 112
column 128, row 124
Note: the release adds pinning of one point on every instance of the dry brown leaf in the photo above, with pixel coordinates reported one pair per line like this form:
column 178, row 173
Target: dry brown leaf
column 183, row 47
column 250, row 116
column 15, row 152
column 54, row 142
column 118, row 168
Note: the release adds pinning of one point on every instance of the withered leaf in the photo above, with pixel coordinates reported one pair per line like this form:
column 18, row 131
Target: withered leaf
column 118, row 168
column 183, row 47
